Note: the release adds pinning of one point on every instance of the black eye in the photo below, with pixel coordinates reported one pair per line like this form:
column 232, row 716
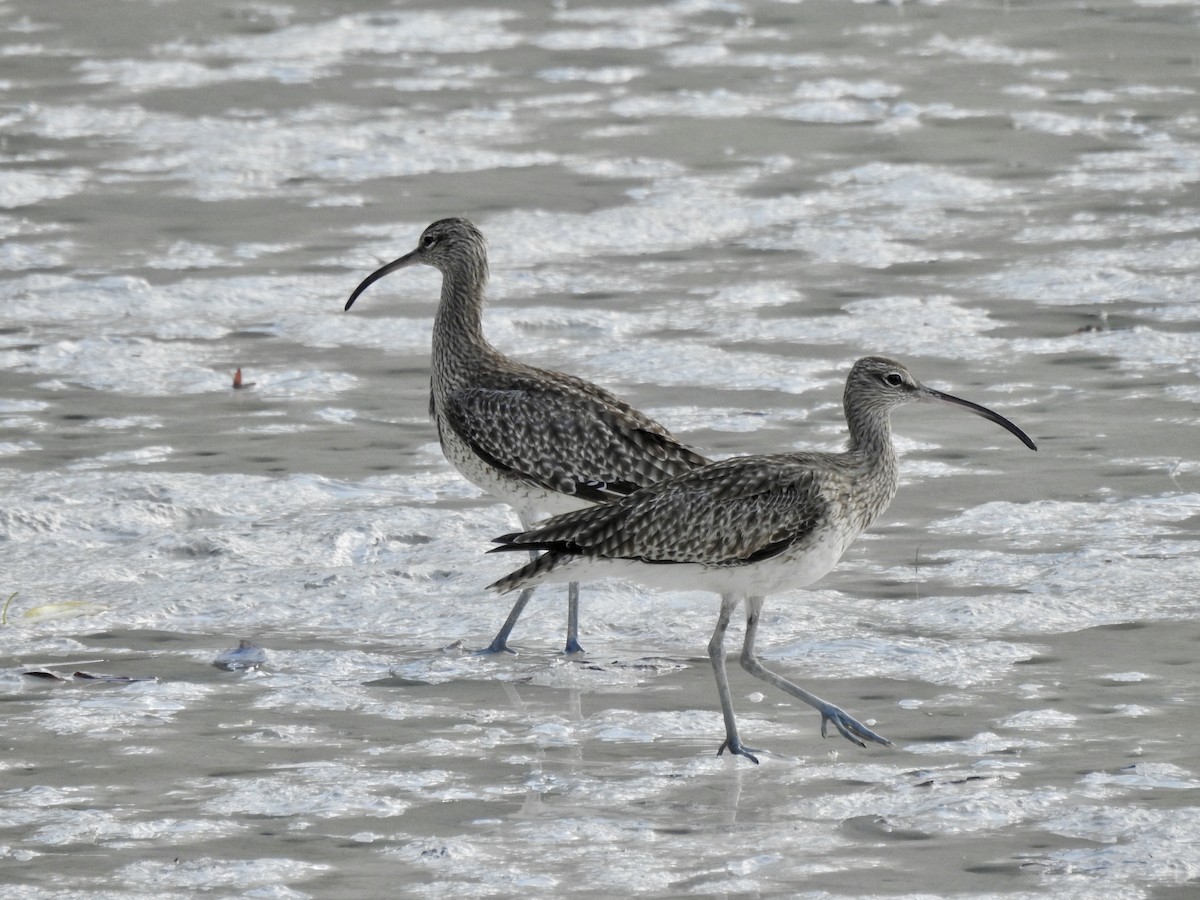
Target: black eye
column 894, row 379
column 428, row 240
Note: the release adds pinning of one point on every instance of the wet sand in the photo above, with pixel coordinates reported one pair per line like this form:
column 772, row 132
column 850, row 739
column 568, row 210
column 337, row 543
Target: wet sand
column 712, row 209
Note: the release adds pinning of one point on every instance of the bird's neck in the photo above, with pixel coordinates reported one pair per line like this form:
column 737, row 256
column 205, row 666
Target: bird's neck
column 874, row 455
column 458, row 341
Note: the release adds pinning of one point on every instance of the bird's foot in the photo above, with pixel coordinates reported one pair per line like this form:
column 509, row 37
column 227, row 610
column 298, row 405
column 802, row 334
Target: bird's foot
column 850, row 728
column 496, row 646
column 572, row 647
column 734, row 745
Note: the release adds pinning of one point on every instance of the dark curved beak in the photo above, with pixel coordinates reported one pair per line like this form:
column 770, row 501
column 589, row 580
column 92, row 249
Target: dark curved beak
column 406, row 260
column 927, row 393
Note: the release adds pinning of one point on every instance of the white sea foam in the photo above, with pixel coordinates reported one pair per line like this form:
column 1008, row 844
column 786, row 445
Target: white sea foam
column 22, row 187
column 710, row 206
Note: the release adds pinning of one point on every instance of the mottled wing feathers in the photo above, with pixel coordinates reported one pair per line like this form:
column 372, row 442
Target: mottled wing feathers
column 563, row 438
column 644, row 432
column 729, row 513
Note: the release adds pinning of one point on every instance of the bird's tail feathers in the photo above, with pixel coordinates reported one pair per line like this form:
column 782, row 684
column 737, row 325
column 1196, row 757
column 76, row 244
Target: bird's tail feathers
column 530, row 573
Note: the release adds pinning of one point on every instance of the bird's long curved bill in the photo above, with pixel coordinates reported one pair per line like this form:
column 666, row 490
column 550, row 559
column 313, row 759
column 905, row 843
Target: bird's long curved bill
column 982, row 411
column 405, row 260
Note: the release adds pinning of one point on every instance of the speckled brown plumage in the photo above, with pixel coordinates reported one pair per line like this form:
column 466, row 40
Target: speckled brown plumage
column 541, row 440
column 746, row 526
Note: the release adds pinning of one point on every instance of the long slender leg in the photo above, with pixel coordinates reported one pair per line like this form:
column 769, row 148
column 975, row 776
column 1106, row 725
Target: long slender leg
column 716, row 653
column 499, row 643
column 573, row 618
column 850, row 728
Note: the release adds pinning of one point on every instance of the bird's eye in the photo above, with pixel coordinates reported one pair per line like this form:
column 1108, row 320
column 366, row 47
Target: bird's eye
column 894, row 379
column 428, row 241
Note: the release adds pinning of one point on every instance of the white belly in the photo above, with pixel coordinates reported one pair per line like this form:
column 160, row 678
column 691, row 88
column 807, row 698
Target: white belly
column 795, row 568
column 529, row 500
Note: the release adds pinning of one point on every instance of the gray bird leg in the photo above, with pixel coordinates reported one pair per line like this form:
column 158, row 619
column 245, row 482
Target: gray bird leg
column 716, row 653
column 499, row 643
column 573, row 618
column 850, row 728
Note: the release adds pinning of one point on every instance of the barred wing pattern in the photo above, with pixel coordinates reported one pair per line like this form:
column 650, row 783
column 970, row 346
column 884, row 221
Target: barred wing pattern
column 731, row 513
column 534, row 431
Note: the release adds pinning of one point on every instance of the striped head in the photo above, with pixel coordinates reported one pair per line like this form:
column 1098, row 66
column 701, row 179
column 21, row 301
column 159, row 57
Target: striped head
column 455, row 247
column 877, row 385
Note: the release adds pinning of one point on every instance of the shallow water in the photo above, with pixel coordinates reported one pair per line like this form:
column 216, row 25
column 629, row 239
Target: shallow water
column 712, row 208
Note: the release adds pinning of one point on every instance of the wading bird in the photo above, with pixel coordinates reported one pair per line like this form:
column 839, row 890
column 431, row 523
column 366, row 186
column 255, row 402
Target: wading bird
column 541, row 441
column 746, row 526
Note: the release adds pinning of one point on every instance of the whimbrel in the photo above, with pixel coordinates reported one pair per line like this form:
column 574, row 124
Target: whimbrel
column 745, row 527
column 542, row 441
